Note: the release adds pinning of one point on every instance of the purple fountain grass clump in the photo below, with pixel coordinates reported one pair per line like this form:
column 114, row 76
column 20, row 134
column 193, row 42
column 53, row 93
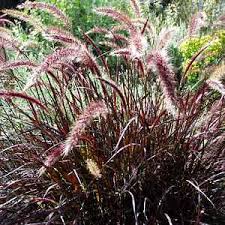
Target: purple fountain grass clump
column 94, row 110
column 108, row 146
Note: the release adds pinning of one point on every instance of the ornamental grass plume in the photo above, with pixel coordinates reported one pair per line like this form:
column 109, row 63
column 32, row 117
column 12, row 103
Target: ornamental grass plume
column 7, row 41
column 164, row 38
column 137, row 43
column 167, row 80
column 77, row 52
column 220, row 22
column 36, row 23
column 52, row 9
column 60, row 35
column 17, row 64
column 116, row 15
column 197, row 22
column 55, row 153
column 93, row 168
column 135, row 4
column 94, row 110
column 215, row 80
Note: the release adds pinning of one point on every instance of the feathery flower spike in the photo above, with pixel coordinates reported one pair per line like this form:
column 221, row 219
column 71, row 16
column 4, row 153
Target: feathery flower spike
column 94, row 110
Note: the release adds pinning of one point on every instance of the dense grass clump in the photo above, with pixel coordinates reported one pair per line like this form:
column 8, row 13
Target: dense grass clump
column 112, row 137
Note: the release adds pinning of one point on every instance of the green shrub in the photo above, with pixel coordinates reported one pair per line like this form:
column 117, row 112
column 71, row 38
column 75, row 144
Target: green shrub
column 212, row 55
column 82, row 15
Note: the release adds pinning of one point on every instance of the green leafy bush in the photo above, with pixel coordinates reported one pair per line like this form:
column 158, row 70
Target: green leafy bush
column 212, row 55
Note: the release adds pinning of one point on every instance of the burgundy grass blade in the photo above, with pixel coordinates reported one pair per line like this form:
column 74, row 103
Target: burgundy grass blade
column 12, row 94
column 193, row 59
